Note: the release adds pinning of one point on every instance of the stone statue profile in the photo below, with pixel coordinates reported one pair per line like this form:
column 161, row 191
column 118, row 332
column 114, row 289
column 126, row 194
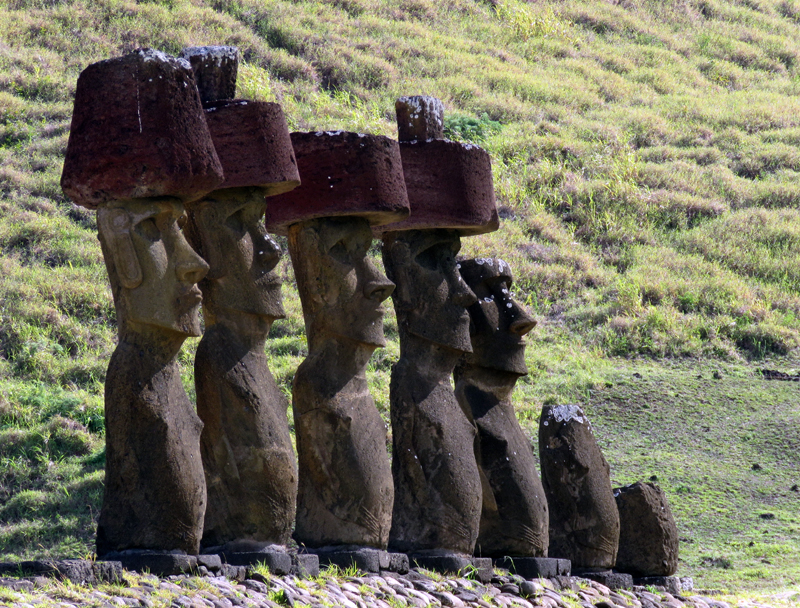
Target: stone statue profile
column 249, row 462
column 139, row 148
column 514, row 517
column 154, row 489
column 350, row 182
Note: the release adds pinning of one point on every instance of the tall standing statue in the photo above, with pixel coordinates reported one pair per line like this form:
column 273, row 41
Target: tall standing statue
column 437, row 506
column 350, row 182
column 514, row 517
column 249, row 463
column 138, row 149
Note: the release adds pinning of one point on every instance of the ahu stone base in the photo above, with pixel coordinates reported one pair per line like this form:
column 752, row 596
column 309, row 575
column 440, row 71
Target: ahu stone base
column 480, row 567
column 609, row 578
column 279, row 562
column 363, row 558
column 535, row 567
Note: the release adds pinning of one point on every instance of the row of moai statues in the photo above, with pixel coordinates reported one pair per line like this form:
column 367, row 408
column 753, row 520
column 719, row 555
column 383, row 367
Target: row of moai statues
column 188, row 182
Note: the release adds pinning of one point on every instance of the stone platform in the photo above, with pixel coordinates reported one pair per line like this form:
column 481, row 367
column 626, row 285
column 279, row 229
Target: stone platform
column 535, row 567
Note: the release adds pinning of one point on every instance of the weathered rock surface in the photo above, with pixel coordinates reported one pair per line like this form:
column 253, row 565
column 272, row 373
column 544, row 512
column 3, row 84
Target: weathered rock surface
column 584, row 522
column 648, row 536
column 138, row 131
column 514, row 517
column 215, row 69
column 419, row 118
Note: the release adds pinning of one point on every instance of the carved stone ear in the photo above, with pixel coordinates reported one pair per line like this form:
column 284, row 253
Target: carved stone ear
column 207, row 226
column 115, row 225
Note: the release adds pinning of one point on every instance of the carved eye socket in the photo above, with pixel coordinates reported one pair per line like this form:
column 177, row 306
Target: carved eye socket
column 235, row 222
column 148, row 228
column 429, row 258
column 339, row 252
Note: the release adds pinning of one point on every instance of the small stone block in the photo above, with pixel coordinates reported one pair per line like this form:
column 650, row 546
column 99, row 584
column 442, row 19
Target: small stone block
column 212, row 562
column 482, row 568
column 108, row 572
column 278, row 562
column 368, row 560
column 671, row 583
column 398, row 562
column 420, row 118
column 305, row 565
column 479, row 567
column 235, row 573
column 215, row 69
column 609, row 578
column 158, row 563
column 77, row 571
column 535, row 567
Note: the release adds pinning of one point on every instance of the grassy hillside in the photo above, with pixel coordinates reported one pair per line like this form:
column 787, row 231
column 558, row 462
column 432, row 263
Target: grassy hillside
column 646, row 162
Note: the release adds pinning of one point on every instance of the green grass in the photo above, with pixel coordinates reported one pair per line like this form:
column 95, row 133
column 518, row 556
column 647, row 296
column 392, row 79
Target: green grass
column 646, row 165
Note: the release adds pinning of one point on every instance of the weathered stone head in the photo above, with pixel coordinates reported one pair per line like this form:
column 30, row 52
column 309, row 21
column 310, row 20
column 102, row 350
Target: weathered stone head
column 499, row 323
column 153, row 270
column 342, row 288
column 431, row 299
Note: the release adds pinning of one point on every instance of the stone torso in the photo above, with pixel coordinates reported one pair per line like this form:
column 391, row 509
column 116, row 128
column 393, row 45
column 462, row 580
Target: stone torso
column 154, row 486
column 246, row 447
column 437, row 484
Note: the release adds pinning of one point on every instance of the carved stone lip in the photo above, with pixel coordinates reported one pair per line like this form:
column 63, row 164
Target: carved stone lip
column 191, row 296
column 268, row 279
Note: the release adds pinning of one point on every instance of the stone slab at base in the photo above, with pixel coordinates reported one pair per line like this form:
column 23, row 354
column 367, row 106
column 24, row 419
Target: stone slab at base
column 609, row 578
column 78, row 571
column 305, row 565
column 535, row 567
column 363, row 558
column 160, row 563
column 672, row 584
column 480, row 567
column 278, row 562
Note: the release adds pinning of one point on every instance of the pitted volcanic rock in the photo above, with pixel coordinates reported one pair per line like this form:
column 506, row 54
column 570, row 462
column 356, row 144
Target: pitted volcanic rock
column 419, row 117
column 215, row 69
column 342, row 174
column 253, row 143
column 449, row 185
column 138, row 131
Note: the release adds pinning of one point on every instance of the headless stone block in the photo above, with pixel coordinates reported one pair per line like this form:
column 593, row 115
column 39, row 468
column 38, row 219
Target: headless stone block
column 648, row 536
column 305, row 565
column 584, row 522
column 138, row 131
column 345, row 484
column 437, row 484
column 514, row 517
column 343, row 174
column 610, row 578
column 160, row 563
column 535, row 567
column 215, row 69
column 277, row 560
column 154, row 494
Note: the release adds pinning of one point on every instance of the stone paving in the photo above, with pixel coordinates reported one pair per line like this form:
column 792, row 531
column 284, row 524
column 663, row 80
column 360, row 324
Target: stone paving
column 417, row 589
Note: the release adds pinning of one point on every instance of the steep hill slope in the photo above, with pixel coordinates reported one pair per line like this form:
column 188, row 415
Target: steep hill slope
column 646, row 163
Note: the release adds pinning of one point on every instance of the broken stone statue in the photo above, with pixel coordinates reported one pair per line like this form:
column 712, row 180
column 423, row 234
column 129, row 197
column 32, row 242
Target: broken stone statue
column 514, row 517
column 249, row 463
column 138, row 149
column 437, row 507
column 350, row 181
column 584, row 522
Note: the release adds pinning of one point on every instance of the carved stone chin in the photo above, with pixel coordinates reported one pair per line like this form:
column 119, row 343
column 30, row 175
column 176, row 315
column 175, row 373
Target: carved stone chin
column 345, row 493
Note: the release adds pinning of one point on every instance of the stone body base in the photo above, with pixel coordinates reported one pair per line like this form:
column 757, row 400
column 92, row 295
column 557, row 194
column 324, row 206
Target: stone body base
column 671, row 584
column 279, row 562
column 535, row 567
column 481, row 567
column 609, row 578
column 78, row 571
column 160, row 563
column 363, row 558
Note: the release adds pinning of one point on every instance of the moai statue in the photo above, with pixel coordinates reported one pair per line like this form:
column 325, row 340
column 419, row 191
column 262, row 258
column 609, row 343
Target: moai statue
column 514, row 516
column 138, row 149
column 249, row 462
column 350, row 182
column 584, row 521
column 437, row 506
